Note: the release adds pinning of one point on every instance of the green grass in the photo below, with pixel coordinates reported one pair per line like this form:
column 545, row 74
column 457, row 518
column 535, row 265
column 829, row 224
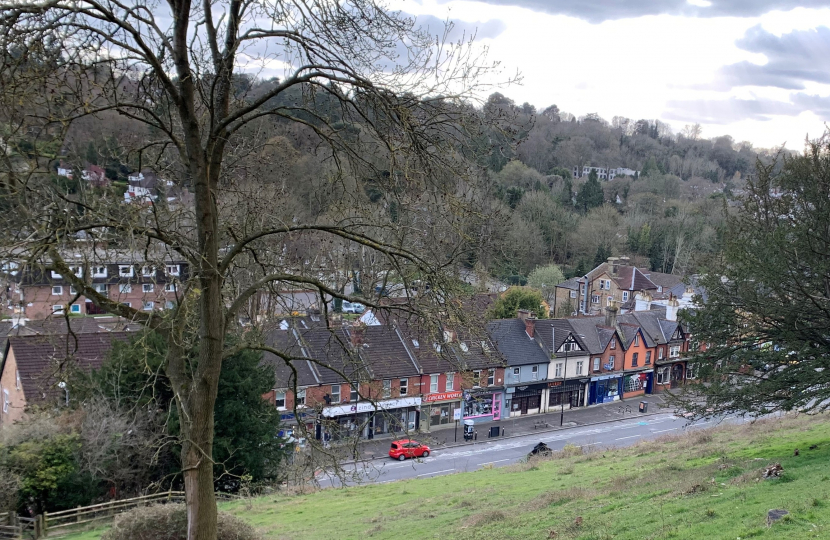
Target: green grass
column 700, row 485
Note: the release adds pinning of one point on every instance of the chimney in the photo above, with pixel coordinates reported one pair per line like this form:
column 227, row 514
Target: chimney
column 357, row 332
column 530, row 325
column 625, row 261
column 523, row 314
column 611, row 315
column 672, row 308
column 614, row 262
column 642, row 301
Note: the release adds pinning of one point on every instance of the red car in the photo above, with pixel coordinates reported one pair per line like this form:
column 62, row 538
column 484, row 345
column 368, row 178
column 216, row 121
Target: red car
column 408, row 449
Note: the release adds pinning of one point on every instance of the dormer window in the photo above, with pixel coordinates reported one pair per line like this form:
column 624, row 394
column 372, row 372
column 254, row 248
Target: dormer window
column 172, row 269
column 485, row 347
column 99, row 271
column 437, row 347
column 55, row 275
column 148, row 271
column 125, row 270
column 464, row 347
column 416, row 344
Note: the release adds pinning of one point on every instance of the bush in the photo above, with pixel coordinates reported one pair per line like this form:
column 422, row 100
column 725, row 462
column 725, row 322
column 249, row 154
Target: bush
column 169, row 522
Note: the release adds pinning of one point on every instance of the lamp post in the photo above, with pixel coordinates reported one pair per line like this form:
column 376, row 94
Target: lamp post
column 562, row 398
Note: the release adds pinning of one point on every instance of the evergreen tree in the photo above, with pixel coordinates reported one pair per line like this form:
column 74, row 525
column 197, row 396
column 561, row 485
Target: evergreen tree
column 566, row 198
column 590, row 194
column 516, row 298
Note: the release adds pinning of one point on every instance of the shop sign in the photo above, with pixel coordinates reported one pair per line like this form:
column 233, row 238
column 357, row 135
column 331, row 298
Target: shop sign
column 442, row 396
column 368, row 406
column 555, row 383
column 456, row 414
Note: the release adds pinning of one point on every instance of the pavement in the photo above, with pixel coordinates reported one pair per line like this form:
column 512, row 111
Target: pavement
column 447, row 436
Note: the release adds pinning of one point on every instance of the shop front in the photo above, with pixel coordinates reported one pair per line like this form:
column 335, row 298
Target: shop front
column 637, row 384
column 440, row 409
column 569, row 393
column 527, row 399
column 368, row 420
column 605, row 389
column 482, row 405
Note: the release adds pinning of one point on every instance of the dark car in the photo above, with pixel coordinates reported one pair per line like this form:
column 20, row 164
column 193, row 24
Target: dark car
column 540, row 449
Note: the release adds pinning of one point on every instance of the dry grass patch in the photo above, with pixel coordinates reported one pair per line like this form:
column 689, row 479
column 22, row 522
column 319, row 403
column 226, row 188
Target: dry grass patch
column 563, row 495
column 485, row 518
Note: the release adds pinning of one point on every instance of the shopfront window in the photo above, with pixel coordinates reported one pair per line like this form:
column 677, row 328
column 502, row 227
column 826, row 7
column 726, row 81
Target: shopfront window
column 663, row 375
column 479, row 405
column 634, row 383
column 691, row 371
column 442, row 414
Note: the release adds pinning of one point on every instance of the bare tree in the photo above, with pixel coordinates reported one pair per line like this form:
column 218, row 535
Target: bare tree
column 379, row 103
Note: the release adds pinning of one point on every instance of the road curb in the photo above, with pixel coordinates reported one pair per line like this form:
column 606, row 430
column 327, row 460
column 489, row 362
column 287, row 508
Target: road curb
column 548, row 430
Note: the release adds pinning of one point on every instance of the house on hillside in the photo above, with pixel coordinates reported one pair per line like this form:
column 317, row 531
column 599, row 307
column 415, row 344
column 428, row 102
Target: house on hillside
column 616, row 280
column 95, row 176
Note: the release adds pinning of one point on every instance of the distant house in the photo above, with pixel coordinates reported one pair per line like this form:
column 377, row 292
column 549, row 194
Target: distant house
column 95, row 175
column 604, row 173
column 65, row 170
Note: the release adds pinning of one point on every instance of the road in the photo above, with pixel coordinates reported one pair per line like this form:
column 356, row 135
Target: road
column 499, row 453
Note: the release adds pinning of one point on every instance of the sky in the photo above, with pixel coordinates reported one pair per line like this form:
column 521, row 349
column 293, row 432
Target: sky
column 758, row 70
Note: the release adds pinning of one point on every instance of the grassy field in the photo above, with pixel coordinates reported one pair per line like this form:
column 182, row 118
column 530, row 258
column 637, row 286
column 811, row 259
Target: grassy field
column 701, row 485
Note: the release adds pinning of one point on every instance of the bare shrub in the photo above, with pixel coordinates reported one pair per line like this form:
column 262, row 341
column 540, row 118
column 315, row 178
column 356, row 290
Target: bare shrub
column 169, row 522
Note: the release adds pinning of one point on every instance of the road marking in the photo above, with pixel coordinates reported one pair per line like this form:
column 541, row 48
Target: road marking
column 436, row 472
column 588, row 444
column 664, row 430
column 498, row 461
column 630, row 437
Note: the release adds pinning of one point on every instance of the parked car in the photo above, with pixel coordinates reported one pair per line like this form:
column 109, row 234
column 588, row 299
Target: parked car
column 353, row 307
column 406, row 448
column 540, row 449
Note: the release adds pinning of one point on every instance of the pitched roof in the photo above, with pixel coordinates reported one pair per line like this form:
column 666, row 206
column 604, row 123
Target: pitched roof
column 572, row 284
column 665, row 281
column 43, row 360
column 511, row 339
column 631, row 278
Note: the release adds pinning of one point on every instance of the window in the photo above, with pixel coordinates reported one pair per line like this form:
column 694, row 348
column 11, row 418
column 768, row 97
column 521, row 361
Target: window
column 99, row 271
column 464, row 348
column 172, row 269
column 450, row 382
column 125, row 270
column 75, row 308
column 625, row 296
column 559, row 370
column 611, row 362
column 169, row 305
column 659, row 353
column 17, row 380
column 595, row 299
column 55, row 275
column 148, row 271
column 573, row 294
column 602, row 284
column 485, row 346
column 663, row 375
column 387, row 388
column 335, row 393
column 354, row 395
column 596, row 364
column 613, row 343
column 57, row 290
column 125, row 289
column 636, row 339
column 534, row 373
column 692, row 370
column 148, row 306
column 415, row 343
column 674, row 351
column 582, row 289
column 6, row 401
column 570, row 346
column 147, row 287
column 57, row 310
column 73, row 290
column 170, row 287
column 634, row 359
column 579, row 366
column 128, row 304
column 476, row 378
column 100, row 288
column 516, row 372
column 433, row 384
column 491, row 377
column 404, row 386
column 279, row 399
column 301, row 398
column 648, row 357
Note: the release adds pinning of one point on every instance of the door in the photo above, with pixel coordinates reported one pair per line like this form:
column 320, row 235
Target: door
column 497, row 407
column 523, row 405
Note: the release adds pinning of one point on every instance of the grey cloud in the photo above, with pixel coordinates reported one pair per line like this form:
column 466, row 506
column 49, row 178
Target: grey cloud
column 597, row 11
column 792, row 60
column 725, row 111
column 482, row 30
